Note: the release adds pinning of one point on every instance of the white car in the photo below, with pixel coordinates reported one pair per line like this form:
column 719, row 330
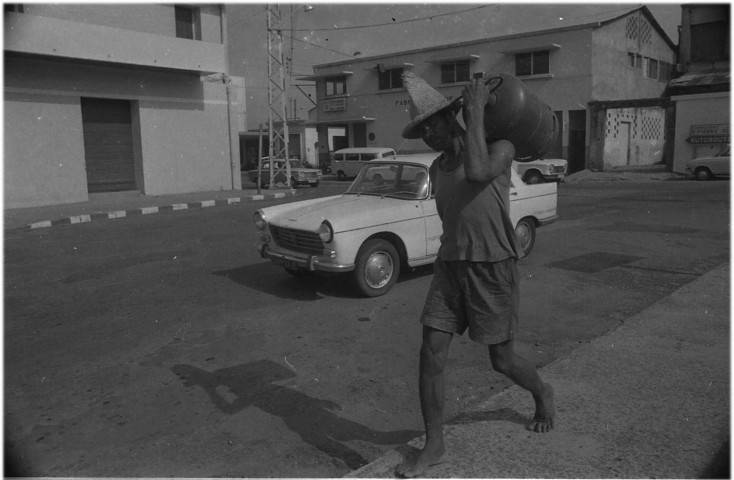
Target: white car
column 543, row 170
column 347, row 162
column 708, row 167
column 386, row 220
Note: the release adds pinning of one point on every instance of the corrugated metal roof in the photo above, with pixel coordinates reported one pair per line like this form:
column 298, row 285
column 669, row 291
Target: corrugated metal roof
column 696, row 79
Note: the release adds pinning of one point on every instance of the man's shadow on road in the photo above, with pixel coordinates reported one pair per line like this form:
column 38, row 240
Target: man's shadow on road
column 252, row 384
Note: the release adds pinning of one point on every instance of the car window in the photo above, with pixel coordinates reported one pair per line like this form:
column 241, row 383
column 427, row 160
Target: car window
column 368, row 156
column 352, row 156
column 408, row 182
column 339, row 157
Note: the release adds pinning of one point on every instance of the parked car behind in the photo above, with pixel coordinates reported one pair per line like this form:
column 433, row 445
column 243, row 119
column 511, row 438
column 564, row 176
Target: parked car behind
column 716, row 165
column 347, row 162
column 386, row 220
column 544, row 170
column 300, row 174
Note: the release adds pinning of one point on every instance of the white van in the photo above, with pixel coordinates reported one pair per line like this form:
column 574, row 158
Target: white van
column 347, row 162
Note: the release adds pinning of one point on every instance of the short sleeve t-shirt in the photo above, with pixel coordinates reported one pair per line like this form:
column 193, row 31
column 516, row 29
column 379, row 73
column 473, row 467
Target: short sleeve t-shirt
column 475, row 217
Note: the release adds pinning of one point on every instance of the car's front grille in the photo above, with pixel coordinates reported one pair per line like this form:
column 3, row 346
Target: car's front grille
column 297, row 240
column 559, row 169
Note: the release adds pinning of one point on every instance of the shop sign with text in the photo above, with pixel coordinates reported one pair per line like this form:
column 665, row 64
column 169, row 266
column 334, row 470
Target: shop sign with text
column 708, row 134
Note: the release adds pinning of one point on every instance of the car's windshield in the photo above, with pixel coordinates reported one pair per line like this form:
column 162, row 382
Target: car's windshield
column 392, row 179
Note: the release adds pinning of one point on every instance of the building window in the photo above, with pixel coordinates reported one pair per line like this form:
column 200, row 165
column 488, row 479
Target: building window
column 532, row 63
column 652, row 68
column 710, row 41
column 631, row 59
column 13, row 7
column 666, row 71
column 452, row 72
column 186, row 23
column 390, row 78
column 645, row 66
column 336, row 86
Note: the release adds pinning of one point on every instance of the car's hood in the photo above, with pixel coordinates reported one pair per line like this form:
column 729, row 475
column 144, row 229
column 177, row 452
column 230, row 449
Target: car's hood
column 344, row 212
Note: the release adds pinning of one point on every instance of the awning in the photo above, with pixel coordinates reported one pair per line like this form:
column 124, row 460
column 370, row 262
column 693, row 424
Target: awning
column 338, row 121
column 536, row 48
column 461, row 58
column 312, row 78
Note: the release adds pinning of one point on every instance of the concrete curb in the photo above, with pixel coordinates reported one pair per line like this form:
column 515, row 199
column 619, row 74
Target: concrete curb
column 147, row 210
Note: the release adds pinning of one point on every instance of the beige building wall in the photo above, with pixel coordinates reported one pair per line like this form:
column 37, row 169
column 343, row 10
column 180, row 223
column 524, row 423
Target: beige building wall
column 614, row 78
column 587, row 63
column 184, row 116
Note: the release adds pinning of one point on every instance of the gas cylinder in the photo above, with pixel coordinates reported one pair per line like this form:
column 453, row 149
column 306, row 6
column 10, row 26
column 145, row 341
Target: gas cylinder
column 516, row 113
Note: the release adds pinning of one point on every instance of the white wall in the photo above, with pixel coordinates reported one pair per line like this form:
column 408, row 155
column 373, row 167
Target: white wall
column 702, row 109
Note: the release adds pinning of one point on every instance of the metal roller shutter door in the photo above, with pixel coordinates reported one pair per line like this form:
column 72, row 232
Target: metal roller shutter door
column 108, row 145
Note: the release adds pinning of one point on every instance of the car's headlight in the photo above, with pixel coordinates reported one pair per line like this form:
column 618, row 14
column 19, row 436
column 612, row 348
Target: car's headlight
column 326, row 233
column 259, row 221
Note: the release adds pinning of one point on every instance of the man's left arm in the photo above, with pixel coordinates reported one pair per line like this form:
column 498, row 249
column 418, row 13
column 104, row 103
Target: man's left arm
column 482, row 163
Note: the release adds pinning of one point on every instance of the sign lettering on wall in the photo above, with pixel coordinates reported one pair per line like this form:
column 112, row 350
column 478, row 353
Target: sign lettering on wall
column 335, row 104
column 404, row 102
column 708, row 134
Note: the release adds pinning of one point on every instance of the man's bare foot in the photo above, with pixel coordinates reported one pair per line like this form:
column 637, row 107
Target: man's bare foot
column 545, row 411
column 417, row 464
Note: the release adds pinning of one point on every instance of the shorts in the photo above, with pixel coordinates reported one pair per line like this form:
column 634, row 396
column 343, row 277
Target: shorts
column 483, row 296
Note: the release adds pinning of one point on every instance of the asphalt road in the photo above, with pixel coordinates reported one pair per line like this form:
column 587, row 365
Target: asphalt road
column 164, row 346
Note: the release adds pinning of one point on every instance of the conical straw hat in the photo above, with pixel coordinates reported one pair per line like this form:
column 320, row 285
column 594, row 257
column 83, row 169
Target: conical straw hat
column 424, row 102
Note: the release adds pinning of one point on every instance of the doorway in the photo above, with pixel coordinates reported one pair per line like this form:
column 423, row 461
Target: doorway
column 576, row 140
column 108, row 145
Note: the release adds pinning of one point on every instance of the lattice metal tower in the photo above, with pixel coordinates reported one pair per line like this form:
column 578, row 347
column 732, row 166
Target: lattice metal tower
column 277, row 99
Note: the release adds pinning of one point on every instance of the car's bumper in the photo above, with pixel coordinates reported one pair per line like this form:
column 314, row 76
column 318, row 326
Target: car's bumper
column 547, row 221
column 312, row 263
column 310, row 181
column 554, row 177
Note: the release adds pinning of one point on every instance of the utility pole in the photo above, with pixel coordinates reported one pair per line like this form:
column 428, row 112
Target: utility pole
column 277, row 98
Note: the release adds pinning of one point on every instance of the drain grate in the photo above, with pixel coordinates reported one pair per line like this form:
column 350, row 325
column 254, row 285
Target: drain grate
column 594, row 262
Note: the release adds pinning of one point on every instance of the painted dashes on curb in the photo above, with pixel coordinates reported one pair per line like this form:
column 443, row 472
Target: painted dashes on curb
column 148, row 211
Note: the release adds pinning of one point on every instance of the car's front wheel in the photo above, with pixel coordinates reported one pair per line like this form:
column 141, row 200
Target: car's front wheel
column 533, row 177
column 377, row 268
column 525, row 235
column 315, row 184
column 341, row 175
column 703, row 174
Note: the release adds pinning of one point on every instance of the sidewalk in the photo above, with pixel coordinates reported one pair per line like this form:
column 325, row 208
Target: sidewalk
column 104, row 206
column 648, row 400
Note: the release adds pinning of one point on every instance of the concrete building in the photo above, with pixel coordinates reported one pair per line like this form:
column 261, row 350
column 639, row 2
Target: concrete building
column 702, row 94
column 361, row 102
column 116, row 97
